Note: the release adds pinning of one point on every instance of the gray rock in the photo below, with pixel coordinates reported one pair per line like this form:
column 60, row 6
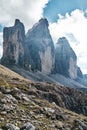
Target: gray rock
column 9, row 126
column 27, row 126
column 80, row 124
column 9, row 98
column 80, row 128
column 65, row 59
column 49, row 110
column 40, row 48
column 13, row 44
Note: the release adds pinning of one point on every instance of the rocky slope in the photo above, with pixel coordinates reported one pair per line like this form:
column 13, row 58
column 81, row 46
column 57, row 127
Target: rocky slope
column 39, row 106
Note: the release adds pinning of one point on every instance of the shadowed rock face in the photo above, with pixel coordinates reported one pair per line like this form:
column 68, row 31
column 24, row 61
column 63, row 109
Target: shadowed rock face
column 40, row 46
column 65, row 59
column 13, row 44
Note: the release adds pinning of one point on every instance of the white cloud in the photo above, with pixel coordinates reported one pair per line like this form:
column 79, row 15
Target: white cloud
column 28, row 11
column 74, row 27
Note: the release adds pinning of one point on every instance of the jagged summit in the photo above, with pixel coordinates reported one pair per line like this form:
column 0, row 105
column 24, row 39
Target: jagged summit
column 41, row 23
column 44, row 21
column 64, row 46
column 41, row 27
column 17, row 21
column 35, row 51
column 30, row 51
column 63, row 41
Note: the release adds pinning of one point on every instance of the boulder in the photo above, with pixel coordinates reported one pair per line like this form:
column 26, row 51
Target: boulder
column 27, row 126
column 10, row 126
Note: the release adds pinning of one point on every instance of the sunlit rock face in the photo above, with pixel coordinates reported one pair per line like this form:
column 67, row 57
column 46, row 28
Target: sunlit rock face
column 40, row 47
column 13, row 44
column 65, row 59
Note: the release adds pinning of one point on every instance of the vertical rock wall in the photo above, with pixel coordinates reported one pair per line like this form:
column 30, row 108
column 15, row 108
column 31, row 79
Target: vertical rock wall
column 65, row 59
column 36, row 51
column 40, row 45
column 13, row 44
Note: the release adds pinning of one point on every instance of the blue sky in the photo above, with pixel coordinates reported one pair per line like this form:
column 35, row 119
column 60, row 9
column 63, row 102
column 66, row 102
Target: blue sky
column 55, row 7
column 1, row 28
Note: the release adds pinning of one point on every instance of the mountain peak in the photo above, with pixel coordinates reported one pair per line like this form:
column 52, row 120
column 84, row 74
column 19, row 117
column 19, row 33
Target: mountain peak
column 17, row 21
column 63, row 42
column 44, row 21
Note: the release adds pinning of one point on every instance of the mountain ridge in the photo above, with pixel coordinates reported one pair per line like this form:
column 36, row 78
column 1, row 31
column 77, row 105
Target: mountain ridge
column 35, row 51
column 35, row 57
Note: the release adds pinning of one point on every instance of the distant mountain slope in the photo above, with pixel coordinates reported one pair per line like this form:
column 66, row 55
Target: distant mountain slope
column 80, row 83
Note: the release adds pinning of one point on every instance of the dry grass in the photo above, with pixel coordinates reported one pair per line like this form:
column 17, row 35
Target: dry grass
column 4, row 71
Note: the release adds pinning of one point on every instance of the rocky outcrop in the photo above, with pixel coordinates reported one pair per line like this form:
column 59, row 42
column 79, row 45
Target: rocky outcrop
column 40, row 47
column 63, row 96
column 13, row 44
column 65, row 59
column 27, row 126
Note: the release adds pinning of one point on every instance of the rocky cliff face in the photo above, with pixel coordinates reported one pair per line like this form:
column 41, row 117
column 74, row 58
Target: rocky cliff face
column 13, row 44
column 40, row 46
column 65, row 59
column 35, row 51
